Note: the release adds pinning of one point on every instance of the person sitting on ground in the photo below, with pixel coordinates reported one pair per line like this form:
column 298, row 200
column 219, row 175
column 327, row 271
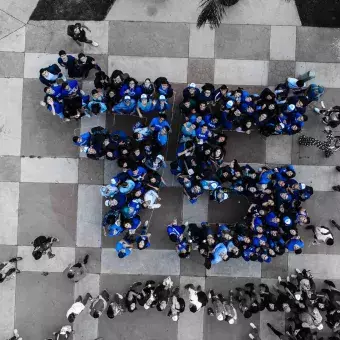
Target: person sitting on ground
column 77, row 307
column 99, row 304
column 9, row 268
column 43, row 245
column 78, row 271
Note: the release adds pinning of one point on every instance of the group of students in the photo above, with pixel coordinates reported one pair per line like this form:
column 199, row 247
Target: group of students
column 296, row 296
column 270, row 227
column 277, row 112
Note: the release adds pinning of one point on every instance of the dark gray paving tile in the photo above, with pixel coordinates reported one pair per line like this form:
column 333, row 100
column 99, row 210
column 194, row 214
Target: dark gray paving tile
column 44, row 134
column 317, row 44
column 138, row 325
column 216, row 330
column 12, row 65
column 50, row 37
column 172, row 205
column 246, row 148
column 230, row 211
column 279, row 71
column 48, row 209
column 7, row 252
column 201, row 70
column 278, row 267
column 10, row 169
column 193, row 266
column 42, row 302
column 94, row 263
column 149, row 39
column 90, row 171
column 303, row 155
column 255, row 42
column 110, row 169
column 322, row 207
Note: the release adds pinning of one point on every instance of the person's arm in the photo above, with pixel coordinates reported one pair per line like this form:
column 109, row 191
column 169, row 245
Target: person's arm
column 53, row 109
column 85, row 27
column 139, row 113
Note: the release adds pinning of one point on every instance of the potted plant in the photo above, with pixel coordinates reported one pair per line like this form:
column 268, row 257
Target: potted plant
column 213, row 11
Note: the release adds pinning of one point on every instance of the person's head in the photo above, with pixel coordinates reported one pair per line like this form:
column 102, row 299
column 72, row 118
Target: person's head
column 37, row 254
column 147, row 82
column 121, row 254
column 224, row 89
column 132, row 83
column 204, row 129
column 63, row 56
column 95, row 94
column 70, row 275
column 76, row 29
column 330, row 242
column 297, row 249
column 141, row 245
column 225, row 257
column 247, row 314
column 304, row 219
column 164, row 85
column 81, row 57
column 162, row 305
column 193, row 309
column 300, row 83
column 71, row 318
column 95, row 108
column 253, row 257
column 203, row 106
column 263, row 116
column 173, row 237
column 44, row 73
column 144, row 99
column 162, row 117
column 110, row 313
column 286, row 307
column 77, row 139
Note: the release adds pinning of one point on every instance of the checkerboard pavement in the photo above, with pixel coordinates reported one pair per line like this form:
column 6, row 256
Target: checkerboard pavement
column 48, row 188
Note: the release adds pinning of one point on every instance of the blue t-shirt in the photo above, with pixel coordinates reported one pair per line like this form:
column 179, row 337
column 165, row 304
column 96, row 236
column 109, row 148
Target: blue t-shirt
column 175, row 230
column 158, row 125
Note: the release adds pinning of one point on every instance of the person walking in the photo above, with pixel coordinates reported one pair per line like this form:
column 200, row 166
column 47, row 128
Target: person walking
column 78, row 34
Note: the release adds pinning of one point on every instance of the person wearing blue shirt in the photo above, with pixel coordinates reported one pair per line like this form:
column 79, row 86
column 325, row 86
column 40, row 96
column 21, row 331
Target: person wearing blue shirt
column 55, row 107
column 131, row 209
column 50, row 74
column 83, row 140
column 175, row 231
column 295, row 244
column 158, row 123
column 259, row 240
column 219, row 253
column 126, row 106
column 54, row 91
column 211, row 121
column 202, row 134
column 162, row 136
column 69, row 63
column 161, row 105
column 96, row 107
column 141, row 132
column 116, row 202
column 272, row 220
column 131, row 89
column 137, row 173
column 145, row 105
column 143, row 239
column 124, row 247
column 112, row 224
column 132, row 224
column 70, row 88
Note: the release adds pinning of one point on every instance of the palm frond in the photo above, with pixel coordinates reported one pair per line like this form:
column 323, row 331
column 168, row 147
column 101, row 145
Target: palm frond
column 213, row 12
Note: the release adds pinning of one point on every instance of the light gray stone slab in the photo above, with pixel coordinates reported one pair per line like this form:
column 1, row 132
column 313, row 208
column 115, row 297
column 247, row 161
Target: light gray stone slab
column 14, row 42
column 49, row 170
column 149, row 39
column 151, row 262
column 202, row 42
column 7, row 300
column 190, row 325
column 279, row 150
column 235, row 72
column 21, row 10
column 282, row 43
column 201, row 70
column 327, row 74
column 322, row 265
column 12, row 65
column 198, row 212
column 63, row 257
column 318, row 44
column 153, row 11
column 175, row 69
column 10, row 116
column 263, row 12
column 35, row 61
column 100, row 34
column 9, row 200
column 321, row 178
column 255, row 42
column 236, row 268
column 50, row 36
column 9, row 168
column 8, row 24
column 89, row 216
column 86, row 327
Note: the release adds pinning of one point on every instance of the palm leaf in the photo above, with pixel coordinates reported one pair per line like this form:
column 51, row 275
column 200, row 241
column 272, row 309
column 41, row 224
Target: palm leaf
column 213, row 12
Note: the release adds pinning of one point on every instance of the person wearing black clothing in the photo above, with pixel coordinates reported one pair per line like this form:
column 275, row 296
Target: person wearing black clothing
column 78, row 34
column 70, row 63
column 87, row 63
column 43, row 245
column 131, row 297
column 101, row 81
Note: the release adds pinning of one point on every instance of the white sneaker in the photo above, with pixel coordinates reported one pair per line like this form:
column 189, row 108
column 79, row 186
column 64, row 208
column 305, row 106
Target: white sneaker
column 16, row 333
column 252, row 325
column 120, row 295
column 146, row 223
column 316, row 109
column 251, row 336
column 298, row 270
column 42, row 103
column 95, row 44
column 156, row 206
column 279, row 279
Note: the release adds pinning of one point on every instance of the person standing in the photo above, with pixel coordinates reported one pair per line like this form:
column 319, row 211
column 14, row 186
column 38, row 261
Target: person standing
column 78, row 34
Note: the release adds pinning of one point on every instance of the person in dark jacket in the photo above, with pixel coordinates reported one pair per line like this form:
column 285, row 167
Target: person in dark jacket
column 70, row 64
column 87, row 63
column 78, row 34
column 163, row 87
column 101, row 81
column 50, row 74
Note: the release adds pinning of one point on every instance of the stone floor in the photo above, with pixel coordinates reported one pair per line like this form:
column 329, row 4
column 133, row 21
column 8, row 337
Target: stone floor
column 48, row 188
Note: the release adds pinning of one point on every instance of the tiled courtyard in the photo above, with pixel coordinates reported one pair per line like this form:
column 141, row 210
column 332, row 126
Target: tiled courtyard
column 48, row 188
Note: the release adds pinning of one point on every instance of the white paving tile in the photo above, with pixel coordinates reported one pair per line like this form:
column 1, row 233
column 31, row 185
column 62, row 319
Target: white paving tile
column 49, row 170
column 63, row 257
column 8, row 24
column 7, row 302
column 19, row 9
column 35, row 61
column 10, row 116
column 9, row 200
column 282, row 43
column 150, row 262
column 86, row 327
column 327, row 74
column 100, row 34
column 89, row 216
column 175, row 69
column 322, row 265
column 202, row 42
column 236, row 268
column 146, row 10
column 235, row 72
column 321, row 178
column 196, row 213
column 279, row 149
column 14, row 42
column 263, row 12
column 190, row 325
